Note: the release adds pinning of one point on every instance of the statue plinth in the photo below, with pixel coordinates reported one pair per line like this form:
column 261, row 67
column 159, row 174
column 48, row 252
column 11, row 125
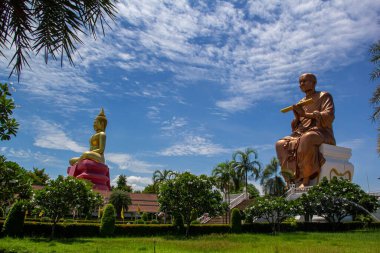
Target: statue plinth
column 97, row 173
column 337, row 163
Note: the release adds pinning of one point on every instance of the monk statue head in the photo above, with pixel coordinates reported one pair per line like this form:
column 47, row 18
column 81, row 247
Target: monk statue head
column 307, row 83
column 100, row 122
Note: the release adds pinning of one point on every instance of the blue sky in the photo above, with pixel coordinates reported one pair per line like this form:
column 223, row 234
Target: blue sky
column 184, row 84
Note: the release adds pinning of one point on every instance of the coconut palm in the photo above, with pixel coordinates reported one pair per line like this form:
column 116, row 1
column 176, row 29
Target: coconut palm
column 246, row 162
column 272, row 181
column 375, row 100
column 49, row 26
column 223, row 173
column 160, row 176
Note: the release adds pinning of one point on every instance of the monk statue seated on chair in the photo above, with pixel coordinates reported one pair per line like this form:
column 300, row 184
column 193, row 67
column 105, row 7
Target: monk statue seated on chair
column 91, row 164
column 312, row 125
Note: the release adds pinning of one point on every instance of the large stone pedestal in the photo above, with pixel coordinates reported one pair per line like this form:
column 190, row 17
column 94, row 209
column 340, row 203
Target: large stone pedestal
column 95, row 172
column 337, row 163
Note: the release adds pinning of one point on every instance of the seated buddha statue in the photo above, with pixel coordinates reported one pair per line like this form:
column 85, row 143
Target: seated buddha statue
column 97, row 142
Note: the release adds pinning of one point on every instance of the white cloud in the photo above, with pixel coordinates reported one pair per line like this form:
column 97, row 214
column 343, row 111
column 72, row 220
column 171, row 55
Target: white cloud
column 194, row 145
column 128, row 162
column 137, row 183
column 51, row 135
column 172, row 126
column 35, row 157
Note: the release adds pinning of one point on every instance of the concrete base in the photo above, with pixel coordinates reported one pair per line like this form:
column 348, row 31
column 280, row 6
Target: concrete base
column 337, row 163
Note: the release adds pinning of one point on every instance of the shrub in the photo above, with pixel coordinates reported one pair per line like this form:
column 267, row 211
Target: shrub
column 139, row 221
column 155, row 222
column 14, row 222
column 235, row 221
column 107, row 225
column 144, row 216
column 194, row 222
column 2, row 213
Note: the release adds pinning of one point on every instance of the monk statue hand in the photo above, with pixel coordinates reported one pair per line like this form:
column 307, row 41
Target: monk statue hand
column 298, row 111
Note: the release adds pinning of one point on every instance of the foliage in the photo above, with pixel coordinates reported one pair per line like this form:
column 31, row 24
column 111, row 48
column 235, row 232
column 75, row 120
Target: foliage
column 150, row 188
column 14, row 181
column 144, row 216
column 120, row 200
column 122, row 185
column 8, row 125
column 53, row 27
column 253, row 191
column 375, row 100
column 65, row 195
column 161, row 176
column 139, row 221
column 272, row 181
column 235, row 221
column 2, row 212
column 223, row 174
column 273, row 209
column 107, row 226
column 246, row 162
column 14, row 222
column 337, row 199
column 187, row 193
column 38, row 176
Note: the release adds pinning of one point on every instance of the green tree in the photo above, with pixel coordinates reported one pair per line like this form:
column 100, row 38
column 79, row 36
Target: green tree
column 14, row 222
column 375, row 100
column 161, row 176
column 236, row 221
column 187, row 194
column 150, row 188
column 122, row 185
column 272, row 181
column 246, row 162
column 273, row 209
column 107, row 224
column 120, row 200
column 223, row 174
column 253, row 191
column 8, row 125
column 52, row 27
column 336, row 199
column 14, row 182
column 38, row 176
column 66, row 195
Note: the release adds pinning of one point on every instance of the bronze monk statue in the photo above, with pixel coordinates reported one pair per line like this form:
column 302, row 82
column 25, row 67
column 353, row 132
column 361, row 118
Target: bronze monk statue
column 298, row 153
column 97, row 141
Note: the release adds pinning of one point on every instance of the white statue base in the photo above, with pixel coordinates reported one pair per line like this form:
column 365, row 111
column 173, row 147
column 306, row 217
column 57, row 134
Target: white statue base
column 337, row 163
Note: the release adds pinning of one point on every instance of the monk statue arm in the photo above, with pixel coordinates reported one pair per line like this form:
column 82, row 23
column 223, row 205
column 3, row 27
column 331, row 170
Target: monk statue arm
column 102, row 144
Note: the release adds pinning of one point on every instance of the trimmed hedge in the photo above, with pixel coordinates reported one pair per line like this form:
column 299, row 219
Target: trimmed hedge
column 236, row 221
column 39, row 229
column 14, row 223
column 107, row 225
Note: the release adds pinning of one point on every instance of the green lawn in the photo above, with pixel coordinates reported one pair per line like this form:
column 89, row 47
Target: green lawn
column 366, row 241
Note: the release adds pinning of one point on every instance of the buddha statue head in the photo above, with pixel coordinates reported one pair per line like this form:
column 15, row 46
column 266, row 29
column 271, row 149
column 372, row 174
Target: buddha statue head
column 100, row 122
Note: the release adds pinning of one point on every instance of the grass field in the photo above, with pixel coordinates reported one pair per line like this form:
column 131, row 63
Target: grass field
column 365, row 241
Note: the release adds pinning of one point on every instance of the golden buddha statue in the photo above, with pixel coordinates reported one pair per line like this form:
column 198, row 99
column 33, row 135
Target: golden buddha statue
column 97, row 142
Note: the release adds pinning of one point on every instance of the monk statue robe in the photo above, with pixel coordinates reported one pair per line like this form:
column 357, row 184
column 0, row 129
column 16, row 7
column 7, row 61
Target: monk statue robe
column 298, row 153
column 91, row 164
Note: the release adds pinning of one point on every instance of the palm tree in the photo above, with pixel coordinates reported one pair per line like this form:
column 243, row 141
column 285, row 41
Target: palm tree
column 52, row 27
column 224, row 173
column 272, row 181
column 160, row 176
column 245, row 162
column 375, row 100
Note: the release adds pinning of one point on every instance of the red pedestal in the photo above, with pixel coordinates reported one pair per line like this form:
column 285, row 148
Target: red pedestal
column 95, row 172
